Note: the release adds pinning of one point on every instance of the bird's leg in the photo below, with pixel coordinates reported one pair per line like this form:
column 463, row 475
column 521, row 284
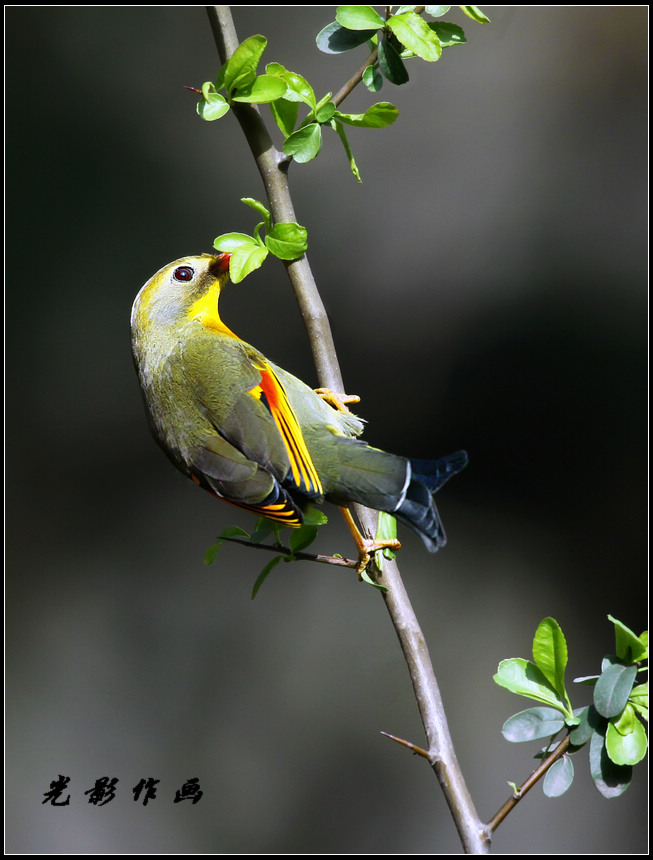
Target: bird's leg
column 338, row 401
column 366, row 546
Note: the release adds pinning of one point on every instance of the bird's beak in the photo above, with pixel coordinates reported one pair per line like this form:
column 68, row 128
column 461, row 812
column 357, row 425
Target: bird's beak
column 221, row 264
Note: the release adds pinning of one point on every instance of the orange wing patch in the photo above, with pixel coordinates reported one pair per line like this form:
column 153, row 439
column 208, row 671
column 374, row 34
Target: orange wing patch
column 283, row 511
column 271, row 393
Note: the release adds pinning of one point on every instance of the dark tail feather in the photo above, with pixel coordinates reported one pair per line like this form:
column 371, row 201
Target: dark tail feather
column 418, row 509
column 436, row 473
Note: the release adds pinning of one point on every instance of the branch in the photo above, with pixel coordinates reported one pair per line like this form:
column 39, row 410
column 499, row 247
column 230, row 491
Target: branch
column 273, row 169
column 537, row 774
column 356, row 78
column 336, row 560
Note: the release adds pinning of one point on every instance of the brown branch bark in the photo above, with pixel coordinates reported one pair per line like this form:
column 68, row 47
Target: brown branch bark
column 441, row 754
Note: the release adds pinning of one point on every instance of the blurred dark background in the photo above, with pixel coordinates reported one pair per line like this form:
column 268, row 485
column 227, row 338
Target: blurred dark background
column 487, row 287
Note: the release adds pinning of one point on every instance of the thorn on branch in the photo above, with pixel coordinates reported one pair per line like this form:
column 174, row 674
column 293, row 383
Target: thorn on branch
column 417, row 750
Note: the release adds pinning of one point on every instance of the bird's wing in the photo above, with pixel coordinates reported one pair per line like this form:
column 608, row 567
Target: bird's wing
column 226, row 472
column 247, row 405
column 271, row 395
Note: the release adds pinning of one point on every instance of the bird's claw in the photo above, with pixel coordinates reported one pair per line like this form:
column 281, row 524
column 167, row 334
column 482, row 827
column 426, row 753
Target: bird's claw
column 337, row 401
column 369, row 546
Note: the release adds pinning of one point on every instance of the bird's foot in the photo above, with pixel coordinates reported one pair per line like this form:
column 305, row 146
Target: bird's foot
column 337, row 401
column 368, row 546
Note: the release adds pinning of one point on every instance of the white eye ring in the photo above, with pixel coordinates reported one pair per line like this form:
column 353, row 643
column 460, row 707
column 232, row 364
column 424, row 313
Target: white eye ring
column 183, row 273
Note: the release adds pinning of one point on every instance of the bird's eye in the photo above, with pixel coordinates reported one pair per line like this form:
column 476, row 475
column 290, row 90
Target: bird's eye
column 183, row 273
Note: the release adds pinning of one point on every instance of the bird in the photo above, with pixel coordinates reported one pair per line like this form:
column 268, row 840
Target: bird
column 252, row 434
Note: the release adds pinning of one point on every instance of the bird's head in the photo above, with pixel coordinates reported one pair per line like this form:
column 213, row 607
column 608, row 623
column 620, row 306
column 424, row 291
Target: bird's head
column 183, row 291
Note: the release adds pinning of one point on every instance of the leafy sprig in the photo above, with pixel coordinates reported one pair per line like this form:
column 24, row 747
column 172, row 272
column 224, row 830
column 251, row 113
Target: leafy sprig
column 300, row 539
column 402, row 35
column 284, row 91
column 287, row 241
column 238, row 78
column 612, row 724
column 304, row 141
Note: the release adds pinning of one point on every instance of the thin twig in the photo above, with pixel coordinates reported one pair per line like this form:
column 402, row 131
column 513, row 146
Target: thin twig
column 537, row 774
column 355, row 79
column 337, row 560
column 273, row 169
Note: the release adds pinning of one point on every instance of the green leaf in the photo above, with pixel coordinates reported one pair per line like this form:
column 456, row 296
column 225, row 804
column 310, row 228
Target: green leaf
column 526, row 679
column 287, row 241
column 213, row 105
column 264, row 527
column 372, row 78
column 269, row 567
column 413, row 32
column 245, row 260
column 639, row 700
column 275, row 69
column 339, row 129
column 644, row 640
column 302, row 537
column 531, row 724
column 212, row 551
column 625, row 722
column 629, row 647
column 219, row 84
column 613, row 689
column 558, row 777
column 264, row 89
column 229, row 532
column 626, row 747
column 334, row 39
column 315, row 517
column 386, row 529
column 232, row 531
column 368, row 579
column 379, row 115
column 325, row 112
column 257, row 206
column 359, row 18
column 436, row 11
column 391, row 63
column 240, row 69
column 448, row 34
column 475, row 14
column 550, row 654
column 590, row 720
column 588, row 680
column 230, row 242
column 285, row 115
column 299, row 89
column 609, row 778
column 305, row 143
column 322, row 102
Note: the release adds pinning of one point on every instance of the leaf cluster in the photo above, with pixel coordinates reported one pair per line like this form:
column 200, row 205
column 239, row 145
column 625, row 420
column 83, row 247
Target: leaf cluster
column 284, row 91
column 287, row 241
column 611, row 725
column 402, row 35
column 300, row 538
